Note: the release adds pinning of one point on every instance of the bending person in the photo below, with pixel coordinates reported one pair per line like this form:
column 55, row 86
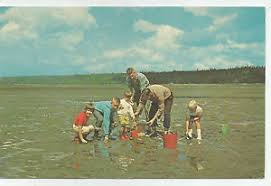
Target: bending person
column 104, row 112
column 162, row 100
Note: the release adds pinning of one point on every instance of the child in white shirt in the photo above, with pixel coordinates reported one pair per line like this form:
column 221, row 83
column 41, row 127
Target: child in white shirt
column 126, row 114
column 193, row 117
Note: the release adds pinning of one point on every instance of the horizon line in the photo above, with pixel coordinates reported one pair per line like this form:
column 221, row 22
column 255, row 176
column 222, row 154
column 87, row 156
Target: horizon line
column 143, row 71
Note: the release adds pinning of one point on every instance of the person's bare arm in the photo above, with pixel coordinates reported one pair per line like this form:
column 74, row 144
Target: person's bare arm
column 81, row 135
column 196, row 119
column 159, row 111
column 186, row 126
column 131, row 112
column 156, row 116
column 139, row 109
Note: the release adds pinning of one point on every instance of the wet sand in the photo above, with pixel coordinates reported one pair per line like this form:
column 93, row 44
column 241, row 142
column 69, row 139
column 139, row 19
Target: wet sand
column 36, row 136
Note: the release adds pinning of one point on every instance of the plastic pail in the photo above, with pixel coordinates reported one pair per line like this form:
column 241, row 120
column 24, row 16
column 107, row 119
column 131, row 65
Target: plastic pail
column 134, row 133
column 170, row 141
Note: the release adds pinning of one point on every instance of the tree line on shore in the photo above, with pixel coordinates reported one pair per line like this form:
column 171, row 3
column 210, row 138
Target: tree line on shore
column 247, row 74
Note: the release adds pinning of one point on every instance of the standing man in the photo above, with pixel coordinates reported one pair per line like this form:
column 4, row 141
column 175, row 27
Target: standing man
column 137, row 82
column 104, row 112
column 162, row 100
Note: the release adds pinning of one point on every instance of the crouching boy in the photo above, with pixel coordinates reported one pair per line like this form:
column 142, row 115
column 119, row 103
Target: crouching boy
column 80, row 126
column 193, row 117
column 126, row 114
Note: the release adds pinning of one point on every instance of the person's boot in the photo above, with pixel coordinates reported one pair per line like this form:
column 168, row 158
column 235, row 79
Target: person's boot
column 189, row 135
column 166, row 131
column 199, row 136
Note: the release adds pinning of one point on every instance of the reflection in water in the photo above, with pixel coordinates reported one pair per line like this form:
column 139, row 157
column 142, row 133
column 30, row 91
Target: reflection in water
column 120, row 159
column 172, row 156
column 124, row 162
column 77, row 156
column 195, row 162
column 136, row 145
column 194, row 154
column 102, row 149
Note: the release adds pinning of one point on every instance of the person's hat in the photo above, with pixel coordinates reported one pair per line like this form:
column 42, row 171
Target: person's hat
column 192, row 105
column 90, row 106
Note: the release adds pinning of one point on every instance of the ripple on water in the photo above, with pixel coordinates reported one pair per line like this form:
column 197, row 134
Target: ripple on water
column 33, row 164
column 10, row 155
column 56, row 156
column 17, row 170
column 33, row 150
column 245, row 123
column 6, row 145
column 124, row 162
column 22, row 142
column 42, row 108
column 72, row 102
column 12, row 143
column 7, row 142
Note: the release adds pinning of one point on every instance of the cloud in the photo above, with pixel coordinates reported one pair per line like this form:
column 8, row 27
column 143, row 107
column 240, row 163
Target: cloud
column 217, row 55
column 133, row 52
column 243, row 46
column 116, row 53
column 219, row 22
column 146, row 53
column 222, row 54
column 64, row 37
column 230, row 44
column 151, row 53
column 14, row 31
column 67, row 41
column 199, row 11
column 101, row 67
column 220, row 62
column 35, row 23
column 79, row 60
column 154, row 48
column 218, row 18
column 164, row 37
column 145, row 26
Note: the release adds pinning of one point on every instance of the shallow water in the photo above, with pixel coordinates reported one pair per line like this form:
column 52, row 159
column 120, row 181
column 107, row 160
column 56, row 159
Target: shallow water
column 36, row 136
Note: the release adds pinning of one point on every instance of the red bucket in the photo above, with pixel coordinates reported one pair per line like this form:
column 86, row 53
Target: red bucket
column 134, row 133
column 170, row 141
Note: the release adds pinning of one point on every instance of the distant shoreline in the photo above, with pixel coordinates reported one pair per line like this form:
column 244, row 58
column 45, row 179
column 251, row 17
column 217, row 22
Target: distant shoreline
column 213, row 76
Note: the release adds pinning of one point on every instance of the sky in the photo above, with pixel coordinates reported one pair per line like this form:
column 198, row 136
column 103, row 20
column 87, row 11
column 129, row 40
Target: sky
column 86, row 40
